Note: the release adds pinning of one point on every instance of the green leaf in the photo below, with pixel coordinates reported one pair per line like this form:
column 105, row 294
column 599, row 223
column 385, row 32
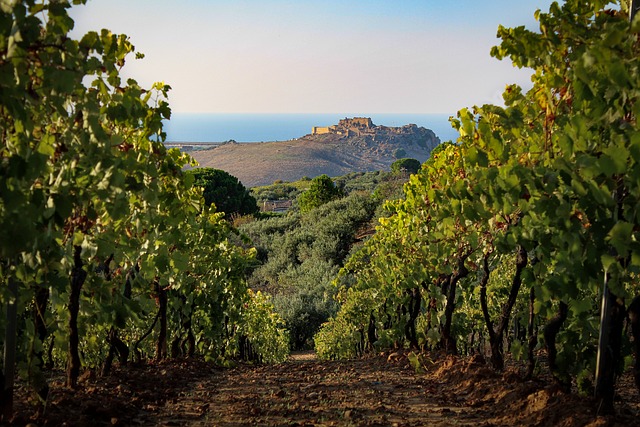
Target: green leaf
column 619, row 156
column 579, row 306
column 476, row 156
column 606, row 165
column 78, row 238
column 620, row 237
column 180, row 261
column 46, row 145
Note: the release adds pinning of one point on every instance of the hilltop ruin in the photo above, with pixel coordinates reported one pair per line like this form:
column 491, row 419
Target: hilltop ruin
column 363, row 126
column 356, row 126
column 360, row 131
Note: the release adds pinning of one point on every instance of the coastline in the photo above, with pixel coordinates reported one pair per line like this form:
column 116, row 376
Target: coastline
column 216, row 128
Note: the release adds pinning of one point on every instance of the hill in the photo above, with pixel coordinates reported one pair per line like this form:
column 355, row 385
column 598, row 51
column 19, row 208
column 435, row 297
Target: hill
column 353, row 145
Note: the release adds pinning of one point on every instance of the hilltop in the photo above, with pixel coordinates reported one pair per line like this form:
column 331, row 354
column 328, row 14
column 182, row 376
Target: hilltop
column 352, row 145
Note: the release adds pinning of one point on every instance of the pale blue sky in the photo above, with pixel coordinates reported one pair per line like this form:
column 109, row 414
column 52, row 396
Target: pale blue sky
column 373, row 56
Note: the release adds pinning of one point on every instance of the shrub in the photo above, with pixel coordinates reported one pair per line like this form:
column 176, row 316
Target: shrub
column 321, row 191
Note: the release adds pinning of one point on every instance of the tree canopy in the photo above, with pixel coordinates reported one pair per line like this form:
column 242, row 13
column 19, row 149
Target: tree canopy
column 321, row 191
column 225, row 191
column 406, row 165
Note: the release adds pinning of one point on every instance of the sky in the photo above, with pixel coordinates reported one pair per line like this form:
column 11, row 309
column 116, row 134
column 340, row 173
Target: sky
column 317, row 56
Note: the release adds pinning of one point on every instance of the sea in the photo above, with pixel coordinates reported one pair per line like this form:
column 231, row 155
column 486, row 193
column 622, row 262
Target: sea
column 219, row 127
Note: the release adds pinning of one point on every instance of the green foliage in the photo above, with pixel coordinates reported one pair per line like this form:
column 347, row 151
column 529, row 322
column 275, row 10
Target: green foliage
column 406, row 165
column 321, row 190
column 264, row 329
column 553, row 172
column 97, row 219
column 362, row 181
column 280, row 191
column 300, row 256
column 225, row 191
column 307, row 301
column 326, row 233
column 337, row 339
column 356, row 181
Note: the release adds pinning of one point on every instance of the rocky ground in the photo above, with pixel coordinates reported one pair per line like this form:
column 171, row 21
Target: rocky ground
column 382, row 390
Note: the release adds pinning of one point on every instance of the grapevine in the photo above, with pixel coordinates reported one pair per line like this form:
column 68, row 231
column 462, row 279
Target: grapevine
column 530, row 210
column 101, row 231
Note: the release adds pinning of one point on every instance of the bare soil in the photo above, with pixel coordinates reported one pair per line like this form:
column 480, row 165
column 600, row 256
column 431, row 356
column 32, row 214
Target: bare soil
column 382, row 390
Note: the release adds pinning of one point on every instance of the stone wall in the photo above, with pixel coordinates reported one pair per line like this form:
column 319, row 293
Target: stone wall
column 356, row 122
column 317, row 130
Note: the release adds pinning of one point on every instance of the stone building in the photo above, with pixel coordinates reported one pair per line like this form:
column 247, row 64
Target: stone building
column 349, row 127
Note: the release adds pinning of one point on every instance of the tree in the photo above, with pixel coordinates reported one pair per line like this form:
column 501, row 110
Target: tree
column 321, row 191
column 225, row 191
column 406, row 165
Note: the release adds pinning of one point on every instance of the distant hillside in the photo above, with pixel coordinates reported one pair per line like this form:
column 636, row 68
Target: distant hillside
column 353, row 145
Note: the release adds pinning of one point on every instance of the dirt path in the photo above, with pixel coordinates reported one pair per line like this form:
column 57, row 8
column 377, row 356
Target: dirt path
column 381, row 390
column 367, row 392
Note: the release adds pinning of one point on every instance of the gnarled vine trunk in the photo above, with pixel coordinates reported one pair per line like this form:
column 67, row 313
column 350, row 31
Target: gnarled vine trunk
column 448, row 341
column 432, row 306
column 116, row 345
column 78, row 277
column 550, row 332
column 483, row 299
column 415, row 302
column 497, row 349
column 372, row 335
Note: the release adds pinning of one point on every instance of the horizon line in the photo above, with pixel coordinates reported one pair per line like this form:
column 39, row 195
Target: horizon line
column 306, row 113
